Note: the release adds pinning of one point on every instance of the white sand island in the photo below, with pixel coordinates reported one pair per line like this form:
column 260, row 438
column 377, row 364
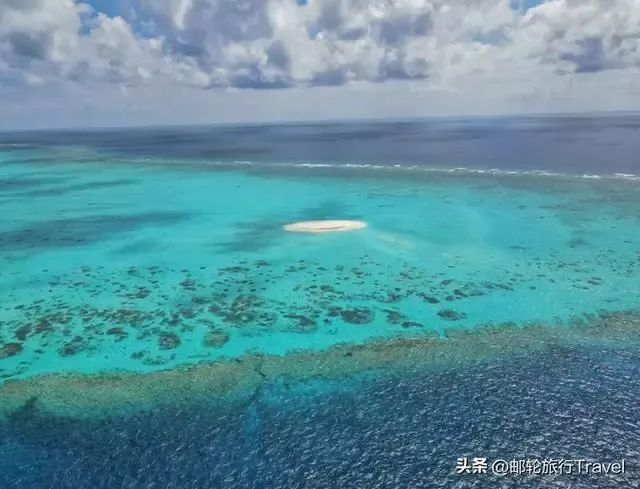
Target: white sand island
column 324, row 226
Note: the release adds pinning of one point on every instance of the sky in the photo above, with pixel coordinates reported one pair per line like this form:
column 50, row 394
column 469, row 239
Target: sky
column 67, row 63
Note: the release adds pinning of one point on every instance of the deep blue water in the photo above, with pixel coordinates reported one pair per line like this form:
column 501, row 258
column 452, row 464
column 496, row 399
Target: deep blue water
column 401, row 432
column 567, row 144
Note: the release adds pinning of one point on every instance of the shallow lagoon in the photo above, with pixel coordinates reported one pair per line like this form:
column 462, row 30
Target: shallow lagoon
column 154, row 309
column 145, row 266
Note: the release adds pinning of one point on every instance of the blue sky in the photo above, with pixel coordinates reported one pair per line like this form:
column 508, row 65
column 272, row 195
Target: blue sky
column 109, row 7
column 123, row 62
column 524, row 4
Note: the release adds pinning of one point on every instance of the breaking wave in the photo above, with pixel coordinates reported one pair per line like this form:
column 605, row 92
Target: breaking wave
column 630, row 177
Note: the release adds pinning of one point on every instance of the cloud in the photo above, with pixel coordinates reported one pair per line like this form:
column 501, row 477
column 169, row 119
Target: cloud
column 36, row 35
column 283, row 43
column 497, row 49
column 582, row 36
column 52, row 40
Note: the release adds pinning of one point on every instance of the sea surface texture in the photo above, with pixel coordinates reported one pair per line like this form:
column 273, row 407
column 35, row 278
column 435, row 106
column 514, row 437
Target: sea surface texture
column 160, row 328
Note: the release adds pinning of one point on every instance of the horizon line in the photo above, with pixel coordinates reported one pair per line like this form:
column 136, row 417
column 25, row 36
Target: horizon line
column 327, row 121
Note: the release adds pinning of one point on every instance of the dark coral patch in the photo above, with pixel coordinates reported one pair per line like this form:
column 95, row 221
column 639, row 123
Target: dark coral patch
column 395, row 317
column 358, row 315
column 304, row 323
column 73, row 347
column 188, row 284
column 243, row 310
column 334, row 311
column 10, row 349
column 451, row 315
column 22, row 332
column 82, row 230
column 168, row 341
column 215, row 338
column 429, row 299
column 411, row 324
column 118, row 332
column 141, row 293
column 44, row 326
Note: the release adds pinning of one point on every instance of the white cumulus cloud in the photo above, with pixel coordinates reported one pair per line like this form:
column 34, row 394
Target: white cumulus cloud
column 213, row 45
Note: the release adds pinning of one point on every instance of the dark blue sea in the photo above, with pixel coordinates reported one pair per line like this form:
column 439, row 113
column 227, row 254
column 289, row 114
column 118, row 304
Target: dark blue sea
column 604, row 144
column 404, row 431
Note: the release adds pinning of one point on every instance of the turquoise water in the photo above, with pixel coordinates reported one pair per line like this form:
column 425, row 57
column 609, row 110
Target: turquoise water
column 140, row 264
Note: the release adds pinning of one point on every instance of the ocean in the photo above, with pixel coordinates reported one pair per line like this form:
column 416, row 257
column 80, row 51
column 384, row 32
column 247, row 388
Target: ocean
column 160, row 328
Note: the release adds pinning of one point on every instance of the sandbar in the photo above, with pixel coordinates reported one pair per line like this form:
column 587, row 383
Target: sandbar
column 324, row 226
